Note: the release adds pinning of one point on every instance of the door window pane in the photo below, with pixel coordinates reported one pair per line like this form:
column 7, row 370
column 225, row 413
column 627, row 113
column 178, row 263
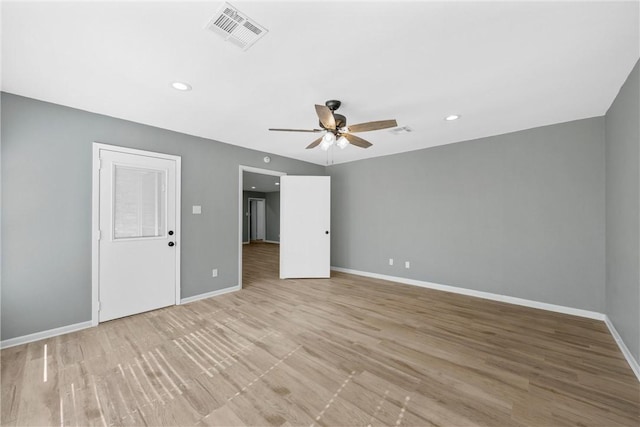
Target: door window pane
column 139, row 202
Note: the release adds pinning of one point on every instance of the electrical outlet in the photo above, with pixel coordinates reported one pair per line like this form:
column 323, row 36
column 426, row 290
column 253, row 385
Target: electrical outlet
column 214, row 272
column 390, row 261
column 407, row 264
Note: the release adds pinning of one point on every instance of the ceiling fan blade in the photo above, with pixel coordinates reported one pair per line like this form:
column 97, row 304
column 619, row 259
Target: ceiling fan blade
column 314, row 143
column 380, row 124
column 297, row 130
column 326, row 117
column 357, row 141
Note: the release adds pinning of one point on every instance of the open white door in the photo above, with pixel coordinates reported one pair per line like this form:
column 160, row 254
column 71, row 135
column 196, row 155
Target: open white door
column 137, row 233
column 305, row 219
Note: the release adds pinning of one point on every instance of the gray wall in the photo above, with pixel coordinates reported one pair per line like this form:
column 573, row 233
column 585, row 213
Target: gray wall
column 245, row 211
column 46, row 200
column 520, row 214
column 273, row 216
column 623, row 213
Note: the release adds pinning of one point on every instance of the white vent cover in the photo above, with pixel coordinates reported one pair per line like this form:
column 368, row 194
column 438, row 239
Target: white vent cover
column 236, row 27
column 401, row 130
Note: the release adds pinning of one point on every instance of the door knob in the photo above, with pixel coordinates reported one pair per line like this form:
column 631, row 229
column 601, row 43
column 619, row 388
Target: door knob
column 326, row 232
column 171, row 243
column 171, row 233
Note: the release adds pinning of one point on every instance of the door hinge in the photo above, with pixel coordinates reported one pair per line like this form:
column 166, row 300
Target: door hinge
column 99, row 305
column 99, row 164
column 98, row 234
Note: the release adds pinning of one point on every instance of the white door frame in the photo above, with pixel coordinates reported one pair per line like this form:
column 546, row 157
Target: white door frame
column 251, row 169
column 95, row 219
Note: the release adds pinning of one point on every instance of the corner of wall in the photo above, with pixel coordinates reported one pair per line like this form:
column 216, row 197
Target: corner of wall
column 622, row 216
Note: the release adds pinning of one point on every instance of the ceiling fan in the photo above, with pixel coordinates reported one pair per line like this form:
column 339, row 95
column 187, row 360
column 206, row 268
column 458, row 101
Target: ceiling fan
column 336, row 130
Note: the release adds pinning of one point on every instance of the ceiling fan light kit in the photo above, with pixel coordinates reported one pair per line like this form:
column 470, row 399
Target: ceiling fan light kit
column 336, row 128
column 327, row 141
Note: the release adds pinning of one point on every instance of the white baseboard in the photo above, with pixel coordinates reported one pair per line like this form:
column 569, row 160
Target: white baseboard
column 245, row 243
column 479, row 294
column 12, row 342
column 623, row 348
column 210, row 294
column 272, row 241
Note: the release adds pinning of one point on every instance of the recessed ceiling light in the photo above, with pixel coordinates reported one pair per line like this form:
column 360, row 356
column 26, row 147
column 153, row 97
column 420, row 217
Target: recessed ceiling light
column 253, row 188
column 452, row 117
column 181, row 86
column 277, row 183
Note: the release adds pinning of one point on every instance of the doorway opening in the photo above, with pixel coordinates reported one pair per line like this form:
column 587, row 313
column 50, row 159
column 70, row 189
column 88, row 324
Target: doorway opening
column 259, row 223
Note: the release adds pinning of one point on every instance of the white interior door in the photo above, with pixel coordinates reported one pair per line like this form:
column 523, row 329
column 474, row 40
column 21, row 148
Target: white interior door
column 260, row 220
column 305, row 209
column 257, row 220
column 137, row 217
column 253, row 220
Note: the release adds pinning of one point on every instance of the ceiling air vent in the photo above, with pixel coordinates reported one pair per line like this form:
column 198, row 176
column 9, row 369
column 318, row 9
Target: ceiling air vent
column 236, row 27
column 401, row 130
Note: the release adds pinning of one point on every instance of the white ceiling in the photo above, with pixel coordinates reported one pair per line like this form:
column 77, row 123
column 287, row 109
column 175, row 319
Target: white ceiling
column 503, row 66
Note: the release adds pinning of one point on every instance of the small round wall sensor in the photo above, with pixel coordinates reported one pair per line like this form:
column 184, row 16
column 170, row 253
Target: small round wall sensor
column 267, row 159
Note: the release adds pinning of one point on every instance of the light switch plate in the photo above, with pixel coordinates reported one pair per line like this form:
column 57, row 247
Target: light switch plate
column 196, row 210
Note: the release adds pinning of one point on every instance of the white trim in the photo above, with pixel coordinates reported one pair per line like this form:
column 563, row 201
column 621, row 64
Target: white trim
column 95, row 225
column 178, row 228
column 271, row 241
column 241, row 169
column 635, row 367
column 12, row 342
column 479, row 294
column 210, row 294
column 95, row 218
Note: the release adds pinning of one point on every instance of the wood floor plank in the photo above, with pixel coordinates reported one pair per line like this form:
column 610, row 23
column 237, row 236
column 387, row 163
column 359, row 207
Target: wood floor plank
column 342, row 351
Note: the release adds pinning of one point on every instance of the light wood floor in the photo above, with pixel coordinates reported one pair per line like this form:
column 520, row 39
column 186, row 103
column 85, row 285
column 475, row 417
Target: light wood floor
column 341, row 351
